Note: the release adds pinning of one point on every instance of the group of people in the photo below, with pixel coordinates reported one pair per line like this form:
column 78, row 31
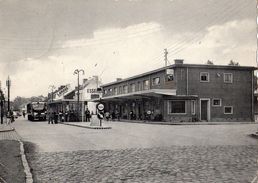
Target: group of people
column 115, row 115
column 68, row 116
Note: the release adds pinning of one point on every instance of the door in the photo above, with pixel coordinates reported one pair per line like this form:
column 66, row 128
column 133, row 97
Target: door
column 205, row 109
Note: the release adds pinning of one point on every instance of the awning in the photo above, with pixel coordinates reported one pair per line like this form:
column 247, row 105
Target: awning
column 143, row 94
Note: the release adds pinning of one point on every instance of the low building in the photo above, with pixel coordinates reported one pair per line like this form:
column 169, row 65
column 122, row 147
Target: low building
column 65, row 98
column 184, row 92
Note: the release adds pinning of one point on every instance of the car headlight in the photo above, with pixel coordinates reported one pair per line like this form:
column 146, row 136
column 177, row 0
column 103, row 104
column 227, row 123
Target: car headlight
column 42, row 113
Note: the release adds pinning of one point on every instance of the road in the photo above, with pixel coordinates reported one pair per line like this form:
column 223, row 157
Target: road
column 58, row 137
column 132, row 152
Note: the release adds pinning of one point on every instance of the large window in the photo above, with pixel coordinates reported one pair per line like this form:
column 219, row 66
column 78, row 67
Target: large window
column 132, row 87
column 228, row 78
column 156, row 81
column 216, row 102
column 115, row 91
column 204, row 77
column 139, row 85
column 228, row 110
column 125, row 89
column 120, row 91
column 177, row 107
column 146, row 84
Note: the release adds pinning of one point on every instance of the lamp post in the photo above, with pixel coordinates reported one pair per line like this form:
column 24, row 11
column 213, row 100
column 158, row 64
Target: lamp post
column 2, row 105
column 52, row 87
column 77, row 71
column 8, row 84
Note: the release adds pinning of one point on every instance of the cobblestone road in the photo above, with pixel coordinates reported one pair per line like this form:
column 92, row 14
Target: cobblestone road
column 169, row 164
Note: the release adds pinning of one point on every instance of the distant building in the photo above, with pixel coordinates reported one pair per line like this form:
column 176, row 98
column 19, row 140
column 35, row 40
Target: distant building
column 184, row 92
column 65, row 98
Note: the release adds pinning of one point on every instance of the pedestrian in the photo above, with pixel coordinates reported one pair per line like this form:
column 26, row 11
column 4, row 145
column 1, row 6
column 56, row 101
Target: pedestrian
column 87, row 114
column 107, row 116
column 49, row 117
column 23, row 113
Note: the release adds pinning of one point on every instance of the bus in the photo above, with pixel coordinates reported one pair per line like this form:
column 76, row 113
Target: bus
column 37, row 111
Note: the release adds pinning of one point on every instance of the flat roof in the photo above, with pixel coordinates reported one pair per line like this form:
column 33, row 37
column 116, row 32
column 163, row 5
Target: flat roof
column 182, row 66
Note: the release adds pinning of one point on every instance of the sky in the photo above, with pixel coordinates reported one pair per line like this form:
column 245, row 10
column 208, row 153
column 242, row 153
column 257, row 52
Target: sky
column 42, row 42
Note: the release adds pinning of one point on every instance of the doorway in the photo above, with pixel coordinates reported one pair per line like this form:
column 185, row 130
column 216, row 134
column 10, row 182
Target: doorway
column 205, row 109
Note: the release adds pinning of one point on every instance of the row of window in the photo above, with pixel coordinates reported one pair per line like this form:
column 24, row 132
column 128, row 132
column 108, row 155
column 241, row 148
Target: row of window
column 179, row 107
column 205, row 77
column 145, row 85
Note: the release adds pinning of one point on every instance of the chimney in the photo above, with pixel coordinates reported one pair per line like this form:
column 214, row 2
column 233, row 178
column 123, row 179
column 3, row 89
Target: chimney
column 179, row 61
column 118, row 79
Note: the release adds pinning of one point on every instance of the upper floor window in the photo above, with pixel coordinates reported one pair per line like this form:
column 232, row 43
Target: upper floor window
column 216, row 102
column 156, row 81
column 139, row 85
column 125, row 89
column 132, row 87
column 228, row 78
column 120, row 91
column 146, row 84
column 115, row 91
column 170, row 74
column 204, row 77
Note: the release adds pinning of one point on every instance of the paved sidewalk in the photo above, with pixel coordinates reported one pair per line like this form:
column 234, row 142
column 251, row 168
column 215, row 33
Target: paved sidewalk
column 7, row 132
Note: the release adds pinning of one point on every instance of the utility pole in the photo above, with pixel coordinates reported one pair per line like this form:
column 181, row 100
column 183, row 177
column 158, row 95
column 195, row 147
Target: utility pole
column 166, row 56
column 77, row 71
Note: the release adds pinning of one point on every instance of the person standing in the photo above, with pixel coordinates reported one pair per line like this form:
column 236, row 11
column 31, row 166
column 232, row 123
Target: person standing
column 87, row 114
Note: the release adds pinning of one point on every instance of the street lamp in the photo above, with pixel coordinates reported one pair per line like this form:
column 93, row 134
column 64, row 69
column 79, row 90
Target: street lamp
column 52, row 87
column 77, row 71
column 2, row 105
column 8, row 84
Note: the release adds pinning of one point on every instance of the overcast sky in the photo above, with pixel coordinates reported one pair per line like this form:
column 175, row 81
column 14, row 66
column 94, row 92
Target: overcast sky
column 42, row 42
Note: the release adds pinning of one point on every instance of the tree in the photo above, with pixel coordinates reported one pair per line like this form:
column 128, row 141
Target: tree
column 209, row 62
column 233, row 63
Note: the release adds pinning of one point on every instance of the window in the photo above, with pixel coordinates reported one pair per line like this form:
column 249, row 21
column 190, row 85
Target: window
column 115, row 91
column 125, row 89
column 132, row 87
column 146, row 84
column 110, row 90
column 105, row 91
column 228, row 110
column 193, row 107
column 177, row 107
column 170, row 74
column 120, row 90
column 216, row 102
column 139, row 85
column 204, row 77
column 156, row 81
column 228, row 78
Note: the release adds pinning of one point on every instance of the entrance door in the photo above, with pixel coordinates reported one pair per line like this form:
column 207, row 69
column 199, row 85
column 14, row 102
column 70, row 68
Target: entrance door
column 205, row 109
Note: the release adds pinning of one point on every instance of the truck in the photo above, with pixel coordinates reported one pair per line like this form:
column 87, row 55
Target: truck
column 37, row 111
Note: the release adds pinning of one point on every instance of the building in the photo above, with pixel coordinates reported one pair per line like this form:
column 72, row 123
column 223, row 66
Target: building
column 65, row 98
column 184, row 92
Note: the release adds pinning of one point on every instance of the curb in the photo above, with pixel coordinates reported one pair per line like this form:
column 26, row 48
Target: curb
column 12, row 129
column 89, row 127
column 187, row 123
column 28, row 175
